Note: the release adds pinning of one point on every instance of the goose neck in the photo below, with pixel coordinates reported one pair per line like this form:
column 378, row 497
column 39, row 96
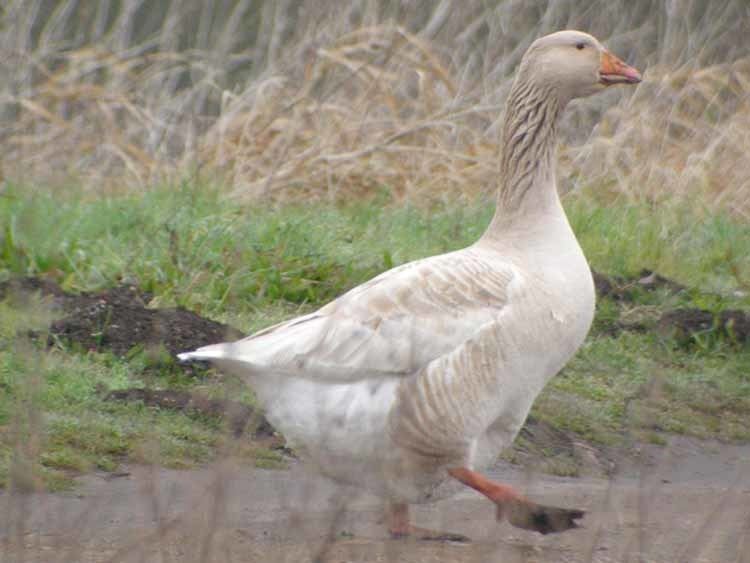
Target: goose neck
column 527, row 163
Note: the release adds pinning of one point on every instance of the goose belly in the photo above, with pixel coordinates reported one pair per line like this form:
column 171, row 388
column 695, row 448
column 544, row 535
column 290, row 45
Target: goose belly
column 339, row 427
column 342, row 430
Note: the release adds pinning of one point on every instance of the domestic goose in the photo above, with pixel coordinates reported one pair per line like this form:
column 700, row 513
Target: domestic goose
column 410, row 383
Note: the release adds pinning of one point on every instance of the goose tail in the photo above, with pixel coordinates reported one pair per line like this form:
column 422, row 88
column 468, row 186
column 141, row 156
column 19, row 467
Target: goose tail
column 205, row 353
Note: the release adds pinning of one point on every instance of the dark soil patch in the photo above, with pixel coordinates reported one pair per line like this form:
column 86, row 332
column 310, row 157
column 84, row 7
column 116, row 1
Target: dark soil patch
column 621, row 289
column 115, row 324
column 119, row 320
column 686, row 324
column 682, row 324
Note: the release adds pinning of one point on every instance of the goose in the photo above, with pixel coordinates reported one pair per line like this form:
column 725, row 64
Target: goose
column 413, row 382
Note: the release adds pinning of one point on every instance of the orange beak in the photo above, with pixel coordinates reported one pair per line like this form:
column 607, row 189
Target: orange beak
column 613, row 71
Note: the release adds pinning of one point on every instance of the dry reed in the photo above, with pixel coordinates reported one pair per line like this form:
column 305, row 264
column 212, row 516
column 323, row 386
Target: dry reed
column 293, row 100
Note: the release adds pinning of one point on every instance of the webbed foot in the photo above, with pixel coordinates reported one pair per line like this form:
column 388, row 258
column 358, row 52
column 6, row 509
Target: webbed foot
column 539, row 518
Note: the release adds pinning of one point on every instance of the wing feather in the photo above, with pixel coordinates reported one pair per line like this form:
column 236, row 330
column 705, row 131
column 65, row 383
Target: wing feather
column 390, row 326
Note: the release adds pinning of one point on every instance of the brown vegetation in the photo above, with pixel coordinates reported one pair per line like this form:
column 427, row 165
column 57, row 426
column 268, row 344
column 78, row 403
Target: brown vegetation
column 291, row 101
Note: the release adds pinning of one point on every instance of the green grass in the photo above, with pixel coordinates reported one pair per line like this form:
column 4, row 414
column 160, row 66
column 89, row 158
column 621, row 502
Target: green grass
column 191, row 246
column 53, row 402
column 253, row 266
column 635, row 384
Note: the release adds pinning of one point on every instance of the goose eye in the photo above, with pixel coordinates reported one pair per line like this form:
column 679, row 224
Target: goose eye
column 580, row 46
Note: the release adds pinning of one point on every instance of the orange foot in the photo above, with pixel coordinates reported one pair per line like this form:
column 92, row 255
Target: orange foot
column 520, row 511
column 397, row 518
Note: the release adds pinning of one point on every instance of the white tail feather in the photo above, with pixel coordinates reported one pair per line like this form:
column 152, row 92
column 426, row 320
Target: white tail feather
column 213, row 352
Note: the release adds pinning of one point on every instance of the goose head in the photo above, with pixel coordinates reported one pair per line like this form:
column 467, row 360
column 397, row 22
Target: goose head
column 574, row 64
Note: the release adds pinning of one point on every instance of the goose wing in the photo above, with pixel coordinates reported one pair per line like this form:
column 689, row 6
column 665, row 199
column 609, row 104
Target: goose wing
column 388, row 327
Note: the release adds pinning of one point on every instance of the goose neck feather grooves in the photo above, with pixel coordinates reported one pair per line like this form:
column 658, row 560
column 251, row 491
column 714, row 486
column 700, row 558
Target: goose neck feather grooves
column 527, row 163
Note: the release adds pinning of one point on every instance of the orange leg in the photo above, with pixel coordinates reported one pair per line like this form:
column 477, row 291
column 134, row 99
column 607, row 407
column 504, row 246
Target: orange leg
column 496, row 492
column 520, row 511
column 397, row 520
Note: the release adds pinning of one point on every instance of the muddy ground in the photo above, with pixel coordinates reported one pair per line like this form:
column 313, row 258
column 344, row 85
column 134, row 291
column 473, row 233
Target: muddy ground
column 689, row 502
